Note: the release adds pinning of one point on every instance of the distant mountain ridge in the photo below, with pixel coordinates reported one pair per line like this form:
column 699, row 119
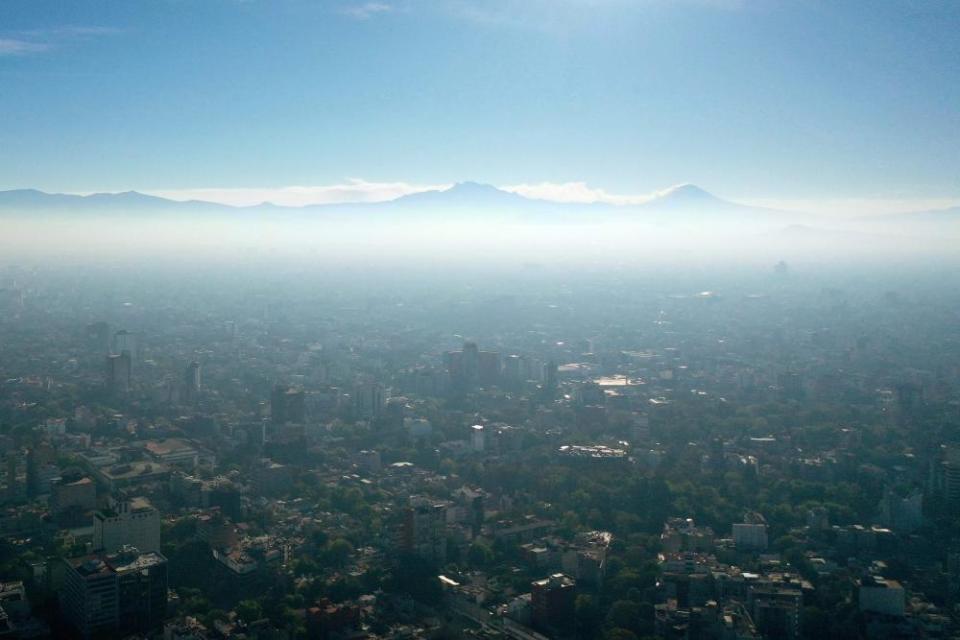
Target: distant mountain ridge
column 460, row 195
column 40, row 200
column 684, row 203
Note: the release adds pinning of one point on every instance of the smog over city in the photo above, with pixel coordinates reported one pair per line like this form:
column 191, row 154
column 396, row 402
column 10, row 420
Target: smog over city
column 489, row 319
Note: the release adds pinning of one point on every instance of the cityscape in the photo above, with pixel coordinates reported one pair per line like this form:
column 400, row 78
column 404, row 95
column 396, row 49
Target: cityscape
column 583, row 457
column 482, row 319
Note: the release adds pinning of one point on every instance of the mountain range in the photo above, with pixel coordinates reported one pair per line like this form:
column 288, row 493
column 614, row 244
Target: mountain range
column 460, row 198
column 685, row 203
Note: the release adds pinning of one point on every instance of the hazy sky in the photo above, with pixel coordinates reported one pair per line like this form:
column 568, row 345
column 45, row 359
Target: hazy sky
column 800, row 102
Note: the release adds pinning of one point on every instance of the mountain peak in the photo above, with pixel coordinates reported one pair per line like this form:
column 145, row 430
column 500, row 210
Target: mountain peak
column 686, row 191
column 471, row 188
column 463, row 194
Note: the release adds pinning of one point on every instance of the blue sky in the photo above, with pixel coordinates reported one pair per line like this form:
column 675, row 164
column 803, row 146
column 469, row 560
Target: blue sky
column 781, row 102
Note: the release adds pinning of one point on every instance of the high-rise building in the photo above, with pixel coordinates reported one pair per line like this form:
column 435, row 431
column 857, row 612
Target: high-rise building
column 42, row 470
column 423, row 531
column 550, row 371
column 791, row 385
column 115, row 595
column 776, row 610
column 513, row 372
column 79, row 494
column 14, row 476
column 118, row 372
column 471, row 362
column 272, row 478
column 191, row 381
column 128, row 341
column 287, row 404
column 130, row 522
column 951, row 474
column 477, row 438
column 751, row 534
column 488, row 367
column 552, row 603
column 883, row 596
column 368, row 399
column 98, row 336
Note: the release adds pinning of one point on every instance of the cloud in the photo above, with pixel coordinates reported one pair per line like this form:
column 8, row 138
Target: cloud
column 70, row 31
column 854, row 206
column 574, row 192
column 17, row 47
column 366, row 10
column 359, row 190
column 353, row 190
column 563, row 15
column 31, row 41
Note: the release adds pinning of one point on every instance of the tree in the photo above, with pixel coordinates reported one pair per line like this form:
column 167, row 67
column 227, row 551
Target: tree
column 338, row 552
column 624, row 614
column 620, row 634
column 249, row 611
column 480, row 554
column 587, row 615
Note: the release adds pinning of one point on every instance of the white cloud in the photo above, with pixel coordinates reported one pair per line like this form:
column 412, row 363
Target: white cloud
column 17, row 47
column 353, row 190
column 860, row 206
column 574, row 192
column 25, row 42
column 562, row 15
column 366, row 10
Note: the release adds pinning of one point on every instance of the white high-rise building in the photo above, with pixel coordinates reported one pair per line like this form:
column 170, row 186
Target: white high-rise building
column 131, row 522
column 751, row 534
column 477, row 438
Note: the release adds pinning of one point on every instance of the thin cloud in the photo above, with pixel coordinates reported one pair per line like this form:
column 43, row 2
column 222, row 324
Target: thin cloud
column 16, row 47
column 562, row 15
column 579, row 192
column 33, row 41
column 854, row 206
column 357, row 190
column 366, row 10
column 353, row 190
column 70, row 30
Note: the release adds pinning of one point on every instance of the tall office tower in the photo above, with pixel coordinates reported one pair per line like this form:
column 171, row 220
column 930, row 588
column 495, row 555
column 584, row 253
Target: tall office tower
column 751, row 534
column 488, row 367
column 78, row 494
column 98, row 336
column 453, row 361
column 909, row 399
column 641, row 427
column 368, row 399
column 118, row 372
column 287, row 404
column 423, row 531
column 130, row 522
column 128, row 341
column 191, row 381
column 473, row 501
column 477, row 438
column 512, row 371
column 115, row 595
column 550, row 378
column 552, row 601
column 951, row 474
column 42, row 469
column 791, row 385
column 776, row 609
column 16, row 486
column 471, row 362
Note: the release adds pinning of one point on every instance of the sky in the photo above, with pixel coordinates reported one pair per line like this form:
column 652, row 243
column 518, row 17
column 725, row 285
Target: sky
column 811, row 104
